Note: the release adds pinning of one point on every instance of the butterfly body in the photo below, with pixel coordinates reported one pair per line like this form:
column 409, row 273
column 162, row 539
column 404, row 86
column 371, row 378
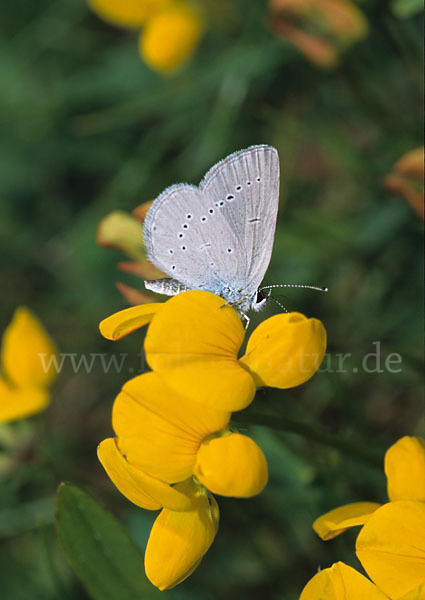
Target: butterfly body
column 172, row 287
column 218, row 236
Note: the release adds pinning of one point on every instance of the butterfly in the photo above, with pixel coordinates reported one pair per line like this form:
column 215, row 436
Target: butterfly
column 218, row 236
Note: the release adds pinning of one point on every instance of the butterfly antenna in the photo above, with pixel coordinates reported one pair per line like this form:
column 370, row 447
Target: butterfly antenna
column 318, row 288
column 279, row 304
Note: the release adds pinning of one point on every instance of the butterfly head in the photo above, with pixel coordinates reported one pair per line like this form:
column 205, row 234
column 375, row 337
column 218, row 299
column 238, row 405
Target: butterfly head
column 258, row 300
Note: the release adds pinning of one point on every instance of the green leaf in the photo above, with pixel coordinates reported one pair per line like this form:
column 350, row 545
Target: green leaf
column 99, row 549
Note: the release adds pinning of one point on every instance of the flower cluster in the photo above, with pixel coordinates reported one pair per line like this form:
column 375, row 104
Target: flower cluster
column 173, row 444
column 391, row 543
column 320, row 29
column 24, row 382
column 171, row 32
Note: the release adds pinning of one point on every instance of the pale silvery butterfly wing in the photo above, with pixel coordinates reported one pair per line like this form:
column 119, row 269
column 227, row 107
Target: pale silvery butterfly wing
column 218, row 236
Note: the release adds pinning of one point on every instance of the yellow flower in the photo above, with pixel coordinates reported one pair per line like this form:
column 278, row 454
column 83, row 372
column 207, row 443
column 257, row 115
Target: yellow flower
column 169, row 437
column 186, row 526
column 26, row 367
column 172, row 28
column 179, row 540
column 340, row 582
column 163, row 439
column 391, row 543
column 173, row 443
column 391, row 548
column 405, row 471
column 171, row 37
column 193, row 342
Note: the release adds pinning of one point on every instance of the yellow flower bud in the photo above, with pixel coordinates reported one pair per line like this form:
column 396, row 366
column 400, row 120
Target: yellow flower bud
column 179, row 540
column 405, row 469
column 285, row 350
column 170, row 37
column 231, row 465
column 122, row 231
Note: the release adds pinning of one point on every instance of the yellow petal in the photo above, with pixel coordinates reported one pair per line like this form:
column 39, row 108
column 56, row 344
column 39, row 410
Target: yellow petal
column 159, row 430
column 405, row 469
column 193, row 344
column 232, row 465
column 391, row 547
column 340, row 582
column 340, row 519
column 128, row 320
column 19, row 403
column 285, row 350
column 127, row 13
column 415, row 594
column 171, row 37
column 141, row 489
column 122, row 231
column 27, row 351
column 179, row 540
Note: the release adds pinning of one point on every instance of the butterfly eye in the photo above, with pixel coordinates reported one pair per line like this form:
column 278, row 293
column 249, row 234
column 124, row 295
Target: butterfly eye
column 230, row 197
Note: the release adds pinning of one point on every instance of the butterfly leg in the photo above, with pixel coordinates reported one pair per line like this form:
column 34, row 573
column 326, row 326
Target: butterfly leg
column 247, row 320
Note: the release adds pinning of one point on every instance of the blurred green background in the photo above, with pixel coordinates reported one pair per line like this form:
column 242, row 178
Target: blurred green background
column 87, row 128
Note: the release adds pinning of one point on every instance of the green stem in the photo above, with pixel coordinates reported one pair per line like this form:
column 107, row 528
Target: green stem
column 313, row 433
